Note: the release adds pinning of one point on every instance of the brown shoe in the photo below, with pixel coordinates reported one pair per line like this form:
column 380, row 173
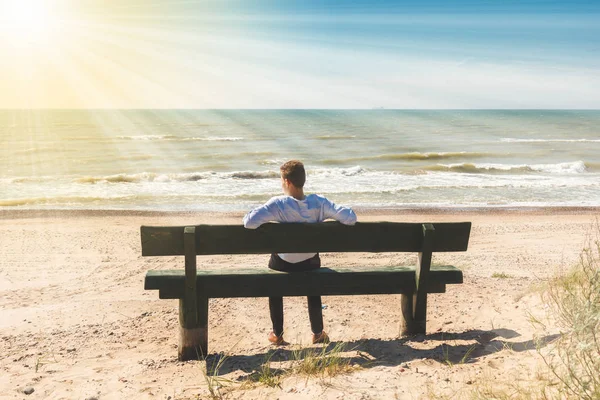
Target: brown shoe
column 277, row 340
column 320, row 338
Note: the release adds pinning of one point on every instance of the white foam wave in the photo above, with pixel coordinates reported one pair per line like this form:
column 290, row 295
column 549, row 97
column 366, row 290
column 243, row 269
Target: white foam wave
column 275, row 161
column 255, row 175
column 141, row 177
column 196, row 176
column 181, row 138
column 516, row 140
column 335, row 137
column 148, row 137
column 218, row 139
column 350, row 171
column 576, row 167
column 25, row 179
column 352, row 185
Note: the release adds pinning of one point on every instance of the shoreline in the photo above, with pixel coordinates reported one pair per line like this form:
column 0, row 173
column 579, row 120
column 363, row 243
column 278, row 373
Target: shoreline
column 500, row 210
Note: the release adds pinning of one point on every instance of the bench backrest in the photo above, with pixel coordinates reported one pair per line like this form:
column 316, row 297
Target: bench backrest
column 191, row 241
column 306, row 238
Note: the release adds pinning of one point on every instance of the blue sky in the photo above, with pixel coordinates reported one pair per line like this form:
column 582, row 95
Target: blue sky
column 332, row 54
column 429, row 6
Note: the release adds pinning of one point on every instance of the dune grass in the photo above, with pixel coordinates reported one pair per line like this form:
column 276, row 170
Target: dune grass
column 571, row 365
column 266, row 375
column 214, row 382
column 575, row 300
column 321, row 362
column 449, row 361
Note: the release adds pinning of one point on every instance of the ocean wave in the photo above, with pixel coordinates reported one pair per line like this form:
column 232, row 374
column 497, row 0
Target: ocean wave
column 592, row 166
column 26, row 179
column 119, row 178
column 258, row 153
column 335, row 137
column 181, row 138
column 218, row 139
column 255, row 175
column 576, row 167
column 276, row 161
column 175, row 177
column 331, row 172
column 352, row 171
column 141, row 177
column 409, row 156
column 64, row 200
column 432, row 156
column 516, row 140
column 196, row 176
column 148, row 137
column 321, row 175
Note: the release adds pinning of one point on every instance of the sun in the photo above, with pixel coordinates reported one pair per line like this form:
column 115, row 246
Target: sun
column 26, row 22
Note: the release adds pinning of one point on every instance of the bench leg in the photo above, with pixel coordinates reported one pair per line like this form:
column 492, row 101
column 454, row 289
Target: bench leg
column 414, row 320
column 193, row 337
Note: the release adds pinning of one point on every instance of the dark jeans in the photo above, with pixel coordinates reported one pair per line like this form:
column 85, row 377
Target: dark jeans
column 315, row 310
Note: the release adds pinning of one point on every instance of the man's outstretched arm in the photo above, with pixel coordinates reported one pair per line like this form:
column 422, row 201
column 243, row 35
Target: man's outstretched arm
column 342, row 214
column 261, row 215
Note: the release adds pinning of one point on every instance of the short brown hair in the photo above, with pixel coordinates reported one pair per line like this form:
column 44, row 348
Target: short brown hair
column 293, row 171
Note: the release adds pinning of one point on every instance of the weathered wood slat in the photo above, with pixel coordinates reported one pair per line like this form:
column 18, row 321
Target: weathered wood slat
column 422, row 272
column 445, row 271
column 176, row 293
column 193, row 340
column 324, row 281
column 190, row 332
column 302, row 238
column 190, row 310
column 407, row 322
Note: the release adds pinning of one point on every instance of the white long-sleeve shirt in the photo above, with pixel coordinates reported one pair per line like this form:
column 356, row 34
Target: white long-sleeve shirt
column 313, row 208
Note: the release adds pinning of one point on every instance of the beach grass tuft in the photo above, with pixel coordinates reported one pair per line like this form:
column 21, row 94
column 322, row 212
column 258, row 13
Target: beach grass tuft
column 266, row 374
column 43, row 359
column 326, row 361
column 214, row 382
column 501, row 275
column 452, row 361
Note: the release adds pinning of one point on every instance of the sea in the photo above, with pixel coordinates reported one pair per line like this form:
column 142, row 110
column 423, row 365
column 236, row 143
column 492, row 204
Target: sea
column 228, row 160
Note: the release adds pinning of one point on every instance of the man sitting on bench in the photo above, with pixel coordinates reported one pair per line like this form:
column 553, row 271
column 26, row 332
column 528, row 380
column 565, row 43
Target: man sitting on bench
column 294, row 206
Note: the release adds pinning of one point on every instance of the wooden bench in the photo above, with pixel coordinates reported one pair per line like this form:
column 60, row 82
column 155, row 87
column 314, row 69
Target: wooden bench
column 194, row 287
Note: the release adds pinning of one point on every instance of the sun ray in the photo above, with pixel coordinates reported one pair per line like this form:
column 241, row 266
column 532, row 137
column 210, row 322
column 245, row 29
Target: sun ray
column 25, row 23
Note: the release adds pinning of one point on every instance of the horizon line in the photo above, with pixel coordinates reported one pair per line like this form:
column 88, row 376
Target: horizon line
column 298, row 109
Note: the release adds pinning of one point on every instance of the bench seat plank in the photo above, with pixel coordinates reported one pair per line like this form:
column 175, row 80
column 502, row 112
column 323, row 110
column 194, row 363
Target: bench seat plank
column 259, row 282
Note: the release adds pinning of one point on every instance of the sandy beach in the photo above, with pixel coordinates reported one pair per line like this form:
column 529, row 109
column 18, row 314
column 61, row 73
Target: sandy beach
column 76, row 323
